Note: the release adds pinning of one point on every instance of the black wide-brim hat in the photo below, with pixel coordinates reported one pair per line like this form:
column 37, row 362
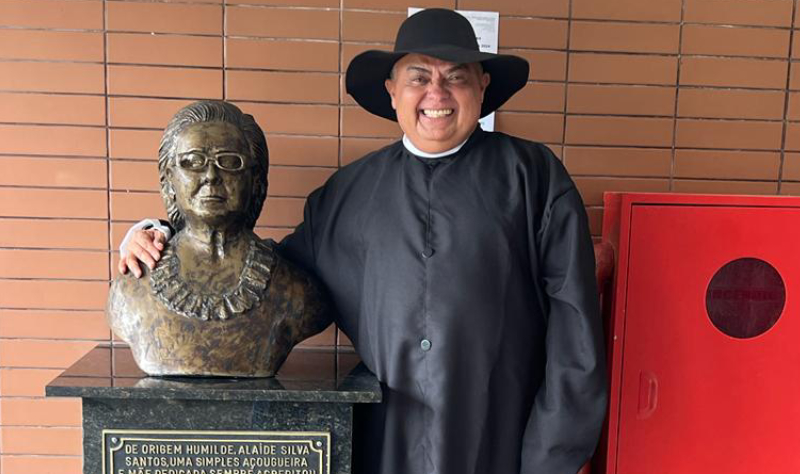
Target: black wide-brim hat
column 442, row 34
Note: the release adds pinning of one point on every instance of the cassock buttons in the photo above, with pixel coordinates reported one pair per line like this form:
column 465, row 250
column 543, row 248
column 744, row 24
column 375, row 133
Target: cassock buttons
column 425, row 345
column 427, row 253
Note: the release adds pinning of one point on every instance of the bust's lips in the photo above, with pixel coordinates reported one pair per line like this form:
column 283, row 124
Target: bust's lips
column 212, row 198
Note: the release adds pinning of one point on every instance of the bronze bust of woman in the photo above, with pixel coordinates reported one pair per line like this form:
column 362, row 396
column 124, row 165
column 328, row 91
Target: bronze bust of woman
column 220, row 302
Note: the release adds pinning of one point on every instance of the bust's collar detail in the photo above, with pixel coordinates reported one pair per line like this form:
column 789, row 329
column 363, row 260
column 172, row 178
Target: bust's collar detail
column 181, row 298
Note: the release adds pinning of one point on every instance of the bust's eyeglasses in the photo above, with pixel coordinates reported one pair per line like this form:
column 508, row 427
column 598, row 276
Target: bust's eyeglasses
column 197, row 161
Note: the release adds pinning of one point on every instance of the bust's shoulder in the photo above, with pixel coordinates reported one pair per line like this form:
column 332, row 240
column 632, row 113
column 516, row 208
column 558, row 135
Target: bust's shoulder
column 285, row 271
column 290, row 278
column 129, row 286
column 129, row 295
column 130, row 301
column 300, row 297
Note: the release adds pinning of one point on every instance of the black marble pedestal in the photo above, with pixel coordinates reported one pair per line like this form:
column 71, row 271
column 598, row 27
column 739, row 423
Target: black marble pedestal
column 131, row 422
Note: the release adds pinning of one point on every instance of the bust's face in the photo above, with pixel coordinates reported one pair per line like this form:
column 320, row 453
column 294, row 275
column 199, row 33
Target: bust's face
column 210, row 173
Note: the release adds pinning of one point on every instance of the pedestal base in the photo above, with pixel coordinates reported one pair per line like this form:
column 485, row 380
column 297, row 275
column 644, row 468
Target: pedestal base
column 297, row 423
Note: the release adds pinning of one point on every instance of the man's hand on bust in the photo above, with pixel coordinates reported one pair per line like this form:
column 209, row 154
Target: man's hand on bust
column 144, row 245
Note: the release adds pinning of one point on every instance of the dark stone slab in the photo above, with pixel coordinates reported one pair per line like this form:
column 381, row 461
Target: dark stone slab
column 314, row 392
column 307, row 376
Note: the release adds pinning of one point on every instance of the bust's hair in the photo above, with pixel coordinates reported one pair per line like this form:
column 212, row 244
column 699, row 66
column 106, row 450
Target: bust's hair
column 215, row 111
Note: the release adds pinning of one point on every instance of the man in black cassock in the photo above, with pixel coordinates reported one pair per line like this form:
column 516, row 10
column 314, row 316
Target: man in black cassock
column 462, row 268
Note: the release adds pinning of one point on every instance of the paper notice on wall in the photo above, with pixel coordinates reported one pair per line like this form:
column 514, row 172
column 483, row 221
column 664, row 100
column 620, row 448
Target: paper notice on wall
column 486, row 26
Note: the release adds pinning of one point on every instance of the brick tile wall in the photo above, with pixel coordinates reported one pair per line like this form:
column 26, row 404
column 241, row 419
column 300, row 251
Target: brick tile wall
column 655, row 95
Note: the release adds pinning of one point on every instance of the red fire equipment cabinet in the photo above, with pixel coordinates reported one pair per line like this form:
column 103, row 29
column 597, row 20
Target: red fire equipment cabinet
column 704, row 335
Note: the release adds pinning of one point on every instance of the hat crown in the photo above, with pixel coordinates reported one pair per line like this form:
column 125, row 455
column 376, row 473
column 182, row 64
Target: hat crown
column 435, row 27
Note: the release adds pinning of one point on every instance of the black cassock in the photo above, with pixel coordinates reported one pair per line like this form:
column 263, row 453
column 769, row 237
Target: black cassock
column 466, row 284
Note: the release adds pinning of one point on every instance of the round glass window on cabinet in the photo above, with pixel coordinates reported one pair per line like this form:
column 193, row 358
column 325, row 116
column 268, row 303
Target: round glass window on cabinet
column 745, row 298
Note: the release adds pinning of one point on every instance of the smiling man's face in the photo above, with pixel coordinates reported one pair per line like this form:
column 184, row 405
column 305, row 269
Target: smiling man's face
column 438, row 103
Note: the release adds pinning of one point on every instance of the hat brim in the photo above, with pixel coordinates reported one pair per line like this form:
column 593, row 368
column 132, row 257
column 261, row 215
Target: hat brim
column 368, row 72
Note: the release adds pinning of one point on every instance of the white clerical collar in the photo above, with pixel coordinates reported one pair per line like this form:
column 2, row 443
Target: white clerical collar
column 416, row 151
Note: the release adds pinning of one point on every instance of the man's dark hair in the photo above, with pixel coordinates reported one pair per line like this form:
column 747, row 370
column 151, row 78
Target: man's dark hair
column 215, row 111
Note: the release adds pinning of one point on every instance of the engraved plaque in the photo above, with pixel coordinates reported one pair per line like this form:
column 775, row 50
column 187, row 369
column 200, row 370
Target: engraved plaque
column 216, row 452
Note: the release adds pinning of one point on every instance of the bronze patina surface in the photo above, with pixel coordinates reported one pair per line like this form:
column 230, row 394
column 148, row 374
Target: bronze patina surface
column 220, row 302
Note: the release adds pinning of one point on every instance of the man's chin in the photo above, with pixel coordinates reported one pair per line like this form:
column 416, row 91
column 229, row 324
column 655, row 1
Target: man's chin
column 434, row 141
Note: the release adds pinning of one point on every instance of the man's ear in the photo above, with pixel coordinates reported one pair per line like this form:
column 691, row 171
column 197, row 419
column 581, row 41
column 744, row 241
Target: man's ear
column 389, row 84
column 486, row 78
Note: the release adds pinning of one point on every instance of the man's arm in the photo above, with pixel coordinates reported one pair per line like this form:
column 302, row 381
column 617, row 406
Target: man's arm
column 143, row 243
column 569, row 408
